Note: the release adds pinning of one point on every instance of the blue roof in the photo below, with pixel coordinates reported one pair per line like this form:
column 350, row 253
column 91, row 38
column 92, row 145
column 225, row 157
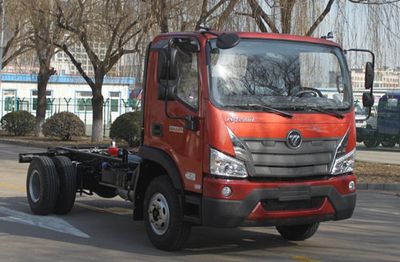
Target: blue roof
column 64, row 79
column 393, row 94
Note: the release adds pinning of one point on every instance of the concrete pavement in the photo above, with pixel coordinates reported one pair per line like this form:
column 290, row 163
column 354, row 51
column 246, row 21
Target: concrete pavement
column 378, row 154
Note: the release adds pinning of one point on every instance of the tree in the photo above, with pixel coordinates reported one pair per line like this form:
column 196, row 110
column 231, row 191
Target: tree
column 15, row 33
column 45, row 32
column 118, row 25
column 265, row 15
column 295, row 16
column 208, row 14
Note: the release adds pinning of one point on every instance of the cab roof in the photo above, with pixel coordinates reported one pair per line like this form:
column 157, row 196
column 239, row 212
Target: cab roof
column 259, row 35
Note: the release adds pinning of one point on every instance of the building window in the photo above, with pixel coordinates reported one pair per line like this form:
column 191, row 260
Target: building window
column 83, row 101
column 114, row 101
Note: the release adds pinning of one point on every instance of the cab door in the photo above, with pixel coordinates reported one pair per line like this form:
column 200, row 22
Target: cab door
column 166, row 127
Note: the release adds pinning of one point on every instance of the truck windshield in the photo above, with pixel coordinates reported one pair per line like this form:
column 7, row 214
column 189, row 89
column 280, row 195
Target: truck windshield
column 287, row 75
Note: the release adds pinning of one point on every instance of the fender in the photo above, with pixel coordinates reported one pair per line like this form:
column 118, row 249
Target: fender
column 162, row 158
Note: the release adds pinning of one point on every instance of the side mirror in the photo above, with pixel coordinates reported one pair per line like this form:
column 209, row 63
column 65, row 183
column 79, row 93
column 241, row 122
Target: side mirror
column 227, row 40
column 368, row 99
column 369, row 75
column 167, row 73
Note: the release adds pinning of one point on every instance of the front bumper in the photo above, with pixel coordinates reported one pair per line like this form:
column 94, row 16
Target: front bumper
column 249, row 202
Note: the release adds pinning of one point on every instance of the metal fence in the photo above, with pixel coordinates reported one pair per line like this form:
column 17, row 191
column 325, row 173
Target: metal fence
column 82, row 107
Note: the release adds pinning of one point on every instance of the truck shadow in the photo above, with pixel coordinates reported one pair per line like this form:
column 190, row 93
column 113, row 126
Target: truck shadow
column 109, row 226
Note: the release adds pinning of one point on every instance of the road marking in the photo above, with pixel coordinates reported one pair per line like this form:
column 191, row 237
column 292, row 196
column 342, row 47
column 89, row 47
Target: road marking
column 304, row 259
column 47, row 222
column 381, row 211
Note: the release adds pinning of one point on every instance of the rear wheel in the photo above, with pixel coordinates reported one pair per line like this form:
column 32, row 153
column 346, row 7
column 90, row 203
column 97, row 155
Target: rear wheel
column 42, row 185
column 371, row 141
column 163, row 216
column 389, row 142
column 298, row 232
column 67, row 176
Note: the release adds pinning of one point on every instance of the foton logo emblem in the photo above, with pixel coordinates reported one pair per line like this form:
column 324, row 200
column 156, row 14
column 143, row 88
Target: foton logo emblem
column 294, row 139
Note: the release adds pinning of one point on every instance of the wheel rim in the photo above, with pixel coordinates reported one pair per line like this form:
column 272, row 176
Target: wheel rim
column 34, row 186
column 158, row 214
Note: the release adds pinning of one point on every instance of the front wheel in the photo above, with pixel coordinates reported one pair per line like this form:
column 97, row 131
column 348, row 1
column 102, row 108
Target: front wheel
column 163, row 216
column 298, row 232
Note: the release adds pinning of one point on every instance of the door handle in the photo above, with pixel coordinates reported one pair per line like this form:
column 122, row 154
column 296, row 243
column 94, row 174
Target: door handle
column 156, row 130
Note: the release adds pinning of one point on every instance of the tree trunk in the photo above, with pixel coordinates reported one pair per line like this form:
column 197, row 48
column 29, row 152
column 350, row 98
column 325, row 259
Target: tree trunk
column 43, row 79
column 163, row 16
column 97, row 106
column 286, row 15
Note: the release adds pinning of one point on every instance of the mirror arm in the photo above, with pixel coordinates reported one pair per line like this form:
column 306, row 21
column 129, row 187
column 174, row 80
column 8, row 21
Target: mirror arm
column 209, row 32
column 367, row 116
column 366, row 51
column 363, row 50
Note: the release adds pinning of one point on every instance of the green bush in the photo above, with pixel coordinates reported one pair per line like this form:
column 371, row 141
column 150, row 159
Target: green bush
column 127, row 127
column 18, row 123
column 64, row 125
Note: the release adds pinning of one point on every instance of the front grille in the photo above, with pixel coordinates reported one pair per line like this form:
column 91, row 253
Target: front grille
column 273, row 158
column 276, row 205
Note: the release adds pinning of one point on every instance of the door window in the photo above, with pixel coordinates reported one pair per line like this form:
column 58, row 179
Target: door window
column 188, row 85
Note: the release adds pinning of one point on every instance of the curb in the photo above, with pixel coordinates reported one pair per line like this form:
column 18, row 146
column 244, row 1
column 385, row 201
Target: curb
column 382, row 187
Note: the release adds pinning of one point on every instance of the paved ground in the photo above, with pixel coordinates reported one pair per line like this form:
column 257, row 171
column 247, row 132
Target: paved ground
column 378, row 154
column 102, row 230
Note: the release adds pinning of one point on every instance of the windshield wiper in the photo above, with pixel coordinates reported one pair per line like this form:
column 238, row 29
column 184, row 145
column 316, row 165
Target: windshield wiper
column 271, row 110
column 326, row 111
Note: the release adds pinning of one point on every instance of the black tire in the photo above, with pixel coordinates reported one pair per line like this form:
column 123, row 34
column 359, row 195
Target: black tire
column 176, row 230
column 298, row 232
column 389, row 142
column 42, row 185
column 67, row 176
column 371, row 141
column 105, row 191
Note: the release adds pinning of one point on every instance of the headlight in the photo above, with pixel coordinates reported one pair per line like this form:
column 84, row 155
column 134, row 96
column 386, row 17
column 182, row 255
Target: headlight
column 344, row 164
column 224, row 165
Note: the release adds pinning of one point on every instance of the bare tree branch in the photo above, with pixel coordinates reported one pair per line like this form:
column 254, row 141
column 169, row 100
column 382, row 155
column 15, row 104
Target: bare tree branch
column 320, row 18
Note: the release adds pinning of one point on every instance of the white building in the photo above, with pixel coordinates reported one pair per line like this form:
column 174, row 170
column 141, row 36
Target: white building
column 385, row 80
column 65, row 93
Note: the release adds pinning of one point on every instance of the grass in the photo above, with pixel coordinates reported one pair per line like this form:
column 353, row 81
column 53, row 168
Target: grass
column 367, row 172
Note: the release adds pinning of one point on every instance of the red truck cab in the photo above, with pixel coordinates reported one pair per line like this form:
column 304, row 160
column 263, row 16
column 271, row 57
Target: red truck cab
column 260, row 132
